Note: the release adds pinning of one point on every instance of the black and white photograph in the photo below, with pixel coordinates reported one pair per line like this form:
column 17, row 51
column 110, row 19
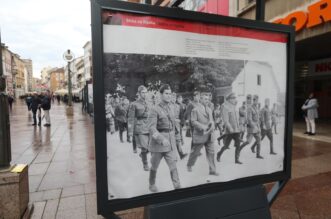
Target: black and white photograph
column 211, row 110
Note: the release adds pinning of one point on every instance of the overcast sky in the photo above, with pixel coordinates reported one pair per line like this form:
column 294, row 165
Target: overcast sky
column 42, row 30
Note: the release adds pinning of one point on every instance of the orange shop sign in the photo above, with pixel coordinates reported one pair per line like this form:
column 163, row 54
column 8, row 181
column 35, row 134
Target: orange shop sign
column 316, row 14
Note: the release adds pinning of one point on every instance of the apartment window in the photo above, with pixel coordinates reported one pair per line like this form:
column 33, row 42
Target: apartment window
column 259, row 80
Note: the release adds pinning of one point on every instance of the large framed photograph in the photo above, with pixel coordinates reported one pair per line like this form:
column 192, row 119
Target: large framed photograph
column 187, row 104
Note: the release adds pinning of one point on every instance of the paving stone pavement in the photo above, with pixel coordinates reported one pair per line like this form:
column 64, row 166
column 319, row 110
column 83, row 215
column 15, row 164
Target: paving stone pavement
column 62, row 177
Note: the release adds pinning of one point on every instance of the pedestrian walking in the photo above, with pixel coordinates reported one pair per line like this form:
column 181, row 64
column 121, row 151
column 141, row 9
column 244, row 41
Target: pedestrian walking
column 28, row 100
column 10, row 101
column 46, row 106
column 310, row 113
column 161, row 124
column 58, row 98
column 34, row 105
column 137, row 124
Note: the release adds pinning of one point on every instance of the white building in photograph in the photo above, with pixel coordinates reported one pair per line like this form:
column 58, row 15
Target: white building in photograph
column 256, row 78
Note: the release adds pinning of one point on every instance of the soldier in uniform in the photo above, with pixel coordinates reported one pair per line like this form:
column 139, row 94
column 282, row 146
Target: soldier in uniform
column 137, row 124
column 253, row 126
column 232, row 128
column 121, row 112
column 218, row 118
column 163, row 141
column 178, row 132
column 203, row 134
column 182, row 109
column 274, row 117
column 110, row 114
column 242, row 120
column 266, row 128
column 189, row 108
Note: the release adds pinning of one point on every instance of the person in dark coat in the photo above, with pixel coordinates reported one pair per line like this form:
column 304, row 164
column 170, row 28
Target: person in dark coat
column 28, row 100
column 10, row 101
column 46, row 106
column 34, row 105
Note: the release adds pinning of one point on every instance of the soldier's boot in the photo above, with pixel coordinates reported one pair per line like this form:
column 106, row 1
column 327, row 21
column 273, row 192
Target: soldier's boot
column 128, row 139
column 258, row 150
column 219, row 154
column 237, row 154
column 143, row 156
column 175, row 178
column 182, row 155
column 134, row 146
column 272, row 149
column 121, row 136
column 152, row 176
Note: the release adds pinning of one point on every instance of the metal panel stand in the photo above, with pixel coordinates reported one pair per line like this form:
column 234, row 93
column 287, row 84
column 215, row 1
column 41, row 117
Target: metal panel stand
column 242, row 203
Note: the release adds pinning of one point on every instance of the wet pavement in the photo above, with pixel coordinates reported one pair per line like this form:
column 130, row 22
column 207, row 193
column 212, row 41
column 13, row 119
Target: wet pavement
column 62, row 178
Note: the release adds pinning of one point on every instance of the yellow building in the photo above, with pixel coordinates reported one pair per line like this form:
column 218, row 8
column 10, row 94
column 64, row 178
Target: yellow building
column 57, row 80
column 18, row 71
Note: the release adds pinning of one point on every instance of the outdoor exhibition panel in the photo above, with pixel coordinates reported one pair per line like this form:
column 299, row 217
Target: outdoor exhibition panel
column 238, row 62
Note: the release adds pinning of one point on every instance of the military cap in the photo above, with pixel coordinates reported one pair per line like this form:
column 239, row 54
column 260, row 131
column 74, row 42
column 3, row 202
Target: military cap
column 230, row 96
column 141, row 88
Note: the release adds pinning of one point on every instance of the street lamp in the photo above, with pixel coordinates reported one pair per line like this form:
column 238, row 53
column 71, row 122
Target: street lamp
column 69, row 56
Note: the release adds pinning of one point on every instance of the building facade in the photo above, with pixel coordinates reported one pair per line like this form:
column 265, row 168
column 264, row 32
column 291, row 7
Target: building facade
column 29, row 74
column 87, row 61
column 57, row 79
column 7, row 68
column 312, row 21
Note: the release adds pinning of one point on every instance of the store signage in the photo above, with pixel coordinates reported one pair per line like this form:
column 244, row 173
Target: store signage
column 316, row 14
column 322, row 66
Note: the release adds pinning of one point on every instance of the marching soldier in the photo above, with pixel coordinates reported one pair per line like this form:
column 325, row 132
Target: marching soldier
column 189, row 108
column 178, row 131
column 121, row 112
column 110, row 114
column 182, row 109
column 232, row 128
column 137, row 124
column 163, row 142
column 218, row 118
column 242, row 120
column 274, row 117
column 203, row 134
column 266, row 128
column 253, row 126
